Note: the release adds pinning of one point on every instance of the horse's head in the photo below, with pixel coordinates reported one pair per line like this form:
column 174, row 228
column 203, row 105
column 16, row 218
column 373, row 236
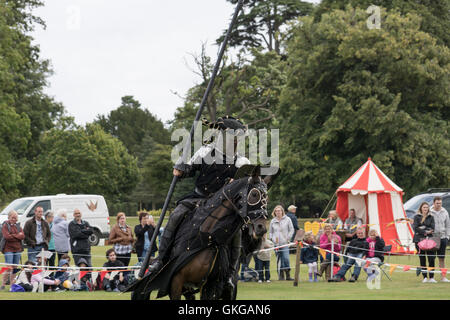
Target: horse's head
column 256, row 216
column 251, row 195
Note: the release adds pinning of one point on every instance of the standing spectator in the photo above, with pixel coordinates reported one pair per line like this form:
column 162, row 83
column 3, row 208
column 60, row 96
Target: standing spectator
column 442, row 230
column 37, row 234
column 119, row 281
column 334, row 220
column 262, row 260
column 51, row 244
column 280, row 233
column 424, row 227
column 79, row 231
column 351, row 224
column 375, row 254
column 326, row 240
column 309, row 256
column 291, row 214
column 144, row 232
column 357, row 248
column 121, row 237
column 150, row 235
column 61, row 234
column 13, row 235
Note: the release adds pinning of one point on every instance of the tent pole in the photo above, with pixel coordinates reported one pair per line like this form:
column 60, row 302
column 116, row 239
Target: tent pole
column 325, row 210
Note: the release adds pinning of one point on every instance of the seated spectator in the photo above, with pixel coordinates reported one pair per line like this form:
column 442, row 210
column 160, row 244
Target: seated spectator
column 334, row 220
column 357, row 248
column 62, row 274
column 119, row 281
column 49, row 282
column 262, row 260
column 309, row 256
column 351, row 224
column 85, row 282
column 23, row 278
column 375, row 253
column 67, row 257
column 326, row 243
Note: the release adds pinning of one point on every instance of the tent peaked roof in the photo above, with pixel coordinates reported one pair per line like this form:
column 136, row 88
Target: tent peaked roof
column 369, row 179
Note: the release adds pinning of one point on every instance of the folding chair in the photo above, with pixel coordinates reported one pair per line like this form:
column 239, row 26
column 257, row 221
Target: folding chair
column 387, row 249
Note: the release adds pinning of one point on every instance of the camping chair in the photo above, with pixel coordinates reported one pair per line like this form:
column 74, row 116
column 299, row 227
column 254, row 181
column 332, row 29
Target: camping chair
column 387, row 249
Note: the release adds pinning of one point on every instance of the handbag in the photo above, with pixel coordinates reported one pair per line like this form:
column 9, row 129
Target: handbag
column 429, row 244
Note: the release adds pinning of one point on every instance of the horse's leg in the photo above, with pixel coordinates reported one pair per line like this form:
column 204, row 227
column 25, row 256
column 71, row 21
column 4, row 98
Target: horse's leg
column 176, row 286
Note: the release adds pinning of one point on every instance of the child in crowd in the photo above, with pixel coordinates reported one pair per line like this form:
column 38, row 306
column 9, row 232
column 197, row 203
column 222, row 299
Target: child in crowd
column 375, row 253
column 262, row 260
column 62, row 274
column 65, row 256
column 84, row 283
column 309, row 256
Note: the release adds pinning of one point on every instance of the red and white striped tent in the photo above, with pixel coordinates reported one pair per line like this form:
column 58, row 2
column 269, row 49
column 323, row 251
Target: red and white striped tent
column 378, row 202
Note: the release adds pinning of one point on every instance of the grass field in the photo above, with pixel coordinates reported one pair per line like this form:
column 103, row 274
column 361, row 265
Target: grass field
column 404, row 285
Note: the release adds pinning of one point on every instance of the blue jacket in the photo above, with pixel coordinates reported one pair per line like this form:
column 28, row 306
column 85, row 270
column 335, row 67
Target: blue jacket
column 309, row 254
column 293, row 217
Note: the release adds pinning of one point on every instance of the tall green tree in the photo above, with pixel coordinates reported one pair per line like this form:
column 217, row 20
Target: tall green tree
column 354, row 93
column 261, row 24
column 435, row 13
column 247, row 88
column 157, row 175
column 23, row 73
column 85, row 160
column 14, row 137
column 134, row 126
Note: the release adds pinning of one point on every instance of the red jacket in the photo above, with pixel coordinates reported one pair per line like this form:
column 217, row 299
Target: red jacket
column 13, row 237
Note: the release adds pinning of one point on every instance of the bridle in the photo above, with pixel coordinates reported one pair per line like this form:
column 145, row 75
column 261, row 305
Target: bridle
column 251, row 215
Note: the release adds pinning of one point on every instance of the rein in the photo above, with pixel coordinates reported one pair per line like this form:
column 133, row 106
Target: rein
column 226, row 197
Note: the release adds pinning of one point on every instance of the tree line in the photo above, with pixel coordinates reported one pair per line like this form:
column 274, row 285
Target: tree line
column 339, row 92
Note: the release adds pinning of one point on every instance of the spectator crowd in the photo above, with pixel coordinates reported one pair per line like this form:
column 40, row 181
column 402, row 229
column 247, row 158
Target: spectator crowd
column 48, row 240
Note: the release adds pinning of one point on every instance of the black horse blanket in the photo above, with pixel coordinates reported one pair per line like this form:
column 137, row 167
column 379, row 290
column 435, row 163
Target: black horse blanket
column 193, row 235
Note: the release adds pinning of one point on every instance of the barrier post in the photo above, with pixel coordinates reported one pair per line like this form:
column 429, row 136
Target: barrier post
column 332, row 258
column 41, row 284
column 297, row 265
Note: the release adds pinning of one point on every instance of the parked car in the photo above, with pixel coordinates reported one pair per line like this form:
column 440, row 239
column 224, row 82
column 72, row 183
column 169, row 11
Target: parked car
column 92, row 207
column 412, row 205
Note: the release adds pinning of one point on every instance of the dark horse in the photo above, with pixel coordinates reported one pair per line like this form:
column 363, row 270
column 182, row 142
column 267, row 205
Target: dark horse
column 200, row 256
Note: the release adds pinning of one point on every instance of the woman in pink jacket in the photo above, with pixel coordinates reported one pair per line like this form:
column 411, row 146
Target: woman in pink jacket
column 326, row 243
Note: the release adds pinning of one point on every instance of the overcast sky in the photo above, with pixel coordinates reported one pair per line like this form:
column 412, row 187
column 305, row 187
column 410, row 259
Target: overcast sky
column 101, row 50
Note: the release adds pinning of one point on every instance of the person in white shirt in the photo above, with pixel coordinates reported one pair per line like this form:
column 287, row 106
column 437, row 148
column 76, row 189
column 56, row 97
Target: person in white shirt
column 442, row 230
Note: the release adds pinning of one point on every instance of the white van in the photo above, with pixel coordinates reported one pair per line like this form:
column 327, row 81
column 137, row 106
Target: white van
column 92, row 207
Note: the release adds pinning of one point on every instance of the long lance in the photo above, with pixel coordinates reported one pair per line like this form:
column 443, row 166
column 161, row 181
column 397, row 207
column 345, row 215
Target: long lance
column 146, row 261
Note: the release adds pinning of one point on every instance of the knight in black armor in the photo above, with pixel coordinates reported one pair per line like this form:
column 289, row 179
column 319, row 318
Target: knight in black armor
column 213, row 175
